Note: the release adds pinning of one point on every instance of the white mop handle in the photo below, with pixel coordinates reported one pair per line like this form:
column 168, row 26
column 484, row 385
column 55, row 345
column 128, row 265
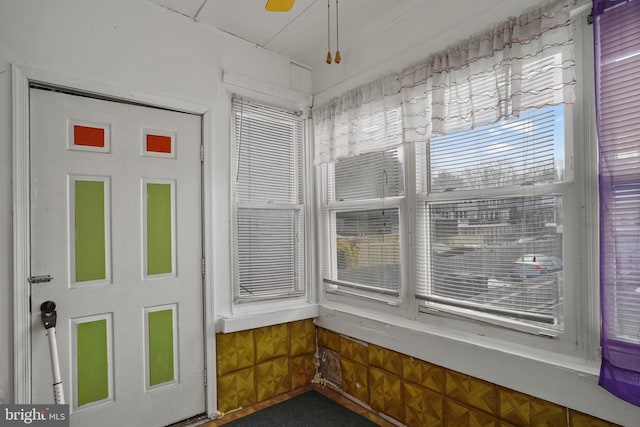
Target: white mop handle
column 58, row 392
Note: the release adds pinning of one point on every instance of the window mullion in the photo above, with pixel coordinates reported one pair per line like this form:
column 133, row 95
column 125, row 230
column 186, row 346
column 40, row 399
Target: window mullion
column 265, row 205
column 390, row 202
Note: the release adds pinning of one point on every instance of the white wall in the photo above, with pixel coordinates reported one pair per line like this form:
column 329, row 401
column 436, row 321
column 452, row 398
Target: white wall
column 134, row 47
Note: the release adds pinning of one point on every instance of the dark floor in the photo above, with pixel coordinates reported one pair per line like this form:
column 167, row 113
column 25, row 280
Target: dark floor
column 325, row 391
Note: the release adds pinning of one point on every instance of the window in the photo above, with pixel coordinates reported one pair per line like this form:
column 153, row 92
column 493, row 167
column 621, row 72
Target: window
column 362, row 209
column 467, row 211
column 489, row 219
column 267, row 202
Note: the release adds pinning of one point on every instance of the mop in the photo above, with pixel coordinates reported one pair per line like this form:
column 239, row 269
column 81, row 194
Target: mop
column 49, row 317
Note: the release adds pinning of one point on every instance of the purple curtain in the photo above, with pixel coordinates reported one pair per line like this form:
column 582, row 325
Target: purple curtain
column 617, row 79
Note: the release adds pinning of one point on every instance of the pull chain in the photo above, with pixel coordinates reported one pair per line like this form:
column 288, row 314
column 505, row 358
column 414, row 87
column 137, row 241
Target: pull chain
column 328, row 32
column 338, row 56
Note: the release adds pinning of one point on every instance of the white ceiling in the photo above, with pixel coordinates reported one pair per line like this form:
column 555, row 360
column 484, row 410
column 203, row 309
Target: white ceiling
column 372, row 32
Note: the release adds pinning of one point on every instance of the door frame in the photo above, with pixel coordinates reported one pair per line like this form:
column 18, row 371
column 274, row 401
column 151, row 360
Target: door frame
column 22, row 78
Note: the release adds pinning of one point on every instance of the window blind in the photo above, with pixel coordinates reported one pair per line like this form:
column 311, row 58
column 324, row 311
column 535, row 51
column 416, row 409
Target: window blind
column 268, row 210
column 489, row 218
column 369, row 176
column 618, row 117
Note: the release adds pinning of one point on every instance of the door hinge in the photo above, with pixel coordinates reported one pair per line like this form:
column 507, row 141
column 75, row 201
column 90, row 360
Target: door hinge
column 203, row 267
column 202, row 154
column 205, row 377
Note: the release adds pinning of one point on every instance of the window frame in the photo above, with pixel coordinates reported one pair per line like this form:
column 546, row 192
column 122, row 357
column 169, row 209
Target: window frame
column 430, row 304
column 334, row 289
column 300, row 211
column 336, row 285
column 580, row 337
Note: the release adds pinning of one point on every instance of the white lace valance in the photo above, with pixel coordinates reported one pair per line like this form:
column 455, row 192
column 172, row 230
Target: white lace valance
column 523, row 63
column 363, row 120
column 520, row 64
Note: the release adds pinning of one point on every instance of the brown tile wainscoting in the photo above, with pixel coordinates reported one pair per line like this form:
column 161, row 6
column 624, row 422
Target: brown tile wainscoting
column 258, row 364
column 261, row 364
column 418, row 393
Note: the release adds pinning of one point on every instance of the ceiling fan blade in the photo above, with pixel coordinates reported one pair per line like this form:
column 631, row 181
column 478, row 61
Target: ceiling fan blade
column 279, row 5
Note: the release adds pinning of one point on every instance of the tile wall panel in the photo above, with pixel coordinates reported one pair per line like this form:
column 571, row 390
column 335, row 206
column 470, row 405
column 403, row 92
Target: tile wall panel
column 329, row 339
column 543, row 413
column 302, row 370
column 422, row 407
column 271, row 341
column 418, row 393
column 236, row 390
column 302, row 337
column 354, row 350
column 258, row 364
column 385, row 359
column 425, row 374
column 386, row 393
column 578, row 419
column 460, row 415
column 355, row 379
column 476, row 393
column 272, row 378
column 235, row 351
column 514, row 407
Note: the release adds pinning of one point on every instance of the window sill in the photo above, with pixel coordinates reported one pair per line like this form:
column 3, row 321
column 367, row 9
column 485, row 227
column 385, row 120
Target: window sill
column 265, row 317
column 465, row 314
column 556, row 377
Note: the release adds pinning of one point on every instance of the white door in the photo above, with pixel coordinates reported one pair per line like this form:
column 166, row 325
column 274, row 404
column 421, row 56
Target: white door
column 116, row 222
